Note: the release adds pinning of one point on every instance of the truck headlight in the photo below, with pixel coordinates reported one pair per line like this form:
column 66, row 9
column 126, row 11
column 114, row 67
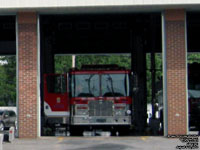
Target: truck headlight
column 120, row 109
column 128, row 112
column 81, row 109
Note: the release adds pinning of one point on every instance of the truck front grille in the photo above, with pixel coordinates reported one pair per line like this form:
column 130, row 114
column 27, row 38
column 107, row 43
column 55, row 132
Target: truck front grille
column 101, row 108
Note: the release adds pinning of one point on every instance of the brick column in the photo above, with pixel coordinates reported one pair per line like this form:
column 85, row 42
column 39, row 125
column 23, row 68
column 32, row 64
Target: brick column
column 27, row 77
column 176, row 71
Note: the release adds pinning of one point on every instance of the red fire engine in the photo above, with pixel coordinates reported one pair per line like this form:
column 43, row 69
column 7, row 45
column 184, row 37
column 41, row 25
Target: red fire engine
column 95, row 95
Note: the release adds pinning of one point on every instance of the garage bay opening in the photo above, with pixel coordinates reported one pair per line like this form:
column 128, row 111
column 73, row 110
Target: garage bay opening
column 101, row 72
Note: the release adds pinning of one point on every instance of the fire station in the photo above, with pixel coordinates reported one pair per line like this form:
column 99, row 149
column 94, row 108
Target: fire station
column 36, row 30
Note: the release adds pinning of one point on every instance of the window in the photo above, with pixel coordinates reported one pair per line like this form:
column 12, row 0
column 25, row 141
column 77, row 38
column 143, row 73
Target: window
column 94, row 85
column 85, row 85
column 56, row 84
column 115, row 85
column 12, row 114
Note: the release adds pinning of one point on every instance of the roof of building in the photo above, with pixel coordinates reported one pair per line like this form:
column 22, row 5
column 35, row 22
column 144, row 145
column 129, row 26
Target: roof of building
column 95, row 5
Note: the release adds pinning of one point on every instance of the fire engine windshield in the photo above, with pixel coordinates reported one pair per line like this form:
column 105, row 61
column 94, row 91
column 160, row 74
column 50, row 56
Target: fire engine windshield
column 94, row 85
column 85, row 85
column 115, row 85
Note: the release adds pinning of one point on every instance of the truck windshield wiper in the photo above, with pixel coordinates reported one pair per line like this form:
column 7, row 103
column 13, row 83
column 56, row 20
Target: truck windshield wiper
column 111, row 84
column 88, row 80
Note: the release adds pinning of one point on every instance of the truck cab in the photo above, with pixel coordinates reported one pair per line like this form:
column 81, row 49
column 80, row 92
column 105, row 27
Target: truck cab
column 100, row 95
column 56, row 99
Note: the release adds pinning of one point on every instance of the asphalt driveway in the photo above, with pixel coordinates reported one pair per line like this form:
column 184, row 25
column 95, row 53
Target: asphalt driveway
column 94, row 143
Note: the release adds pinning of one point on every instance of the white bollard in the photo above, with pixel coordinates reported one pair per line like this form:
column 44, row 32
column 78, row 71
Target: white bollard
column 1, row 141
column 11, row 136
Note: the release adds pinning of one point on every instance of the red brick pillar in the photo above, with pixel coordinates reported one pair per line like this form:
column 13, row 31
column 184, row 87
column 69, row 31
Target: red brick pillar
column 176, row 71
column 27, row 77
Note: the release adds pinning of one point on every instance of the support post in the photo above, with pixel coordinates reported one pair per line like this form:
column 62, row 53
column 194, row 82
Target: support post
column 175, row 92
column 27, row 74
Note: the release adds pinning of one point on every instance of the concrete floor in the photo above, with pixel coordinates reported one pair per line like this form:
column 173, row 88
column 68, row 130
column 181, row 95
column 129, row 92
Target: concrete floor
column 93, row 143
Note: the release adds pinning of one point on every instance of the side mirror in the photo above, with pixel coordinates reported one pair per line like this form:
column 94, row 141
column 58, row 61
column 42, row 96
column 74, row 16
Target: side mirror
column 6, row 116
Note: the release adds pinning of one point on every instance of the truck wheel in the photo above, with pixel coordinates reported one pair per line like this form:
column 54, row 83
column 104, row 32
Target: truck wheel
column 2, row 126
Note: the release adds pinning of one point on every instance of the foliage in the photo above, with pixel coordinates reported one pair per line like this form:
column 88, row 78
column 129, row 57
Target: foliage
column 8, row 81
column 121, row 60
column 64, row 63
column 158, row 75
column 193, row 57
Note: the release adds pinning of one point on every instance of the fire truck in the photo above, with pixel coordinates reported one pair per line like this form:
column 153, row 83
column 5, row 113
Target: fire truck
column 95, row 95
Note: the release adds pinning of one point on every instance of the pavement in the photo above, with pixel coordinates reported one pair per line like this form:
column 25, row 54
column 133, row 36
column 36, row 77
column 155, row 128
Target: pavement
column 94, row 143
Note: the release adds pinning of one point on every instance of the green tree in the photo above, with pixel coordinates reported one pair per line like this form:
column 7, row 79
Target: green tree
column 64, row 62
column 193, row 57
column 7, row 80
column 158, row 74
column 121, row 60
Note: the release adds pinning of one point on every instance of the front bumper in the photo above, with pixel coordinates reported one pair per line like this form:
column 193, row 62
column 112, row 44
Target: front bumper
column 101, row 120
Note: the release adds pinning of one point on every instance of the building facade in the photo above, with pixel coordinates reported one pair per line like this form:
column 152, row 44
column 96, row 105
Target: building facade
column 174, row 51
